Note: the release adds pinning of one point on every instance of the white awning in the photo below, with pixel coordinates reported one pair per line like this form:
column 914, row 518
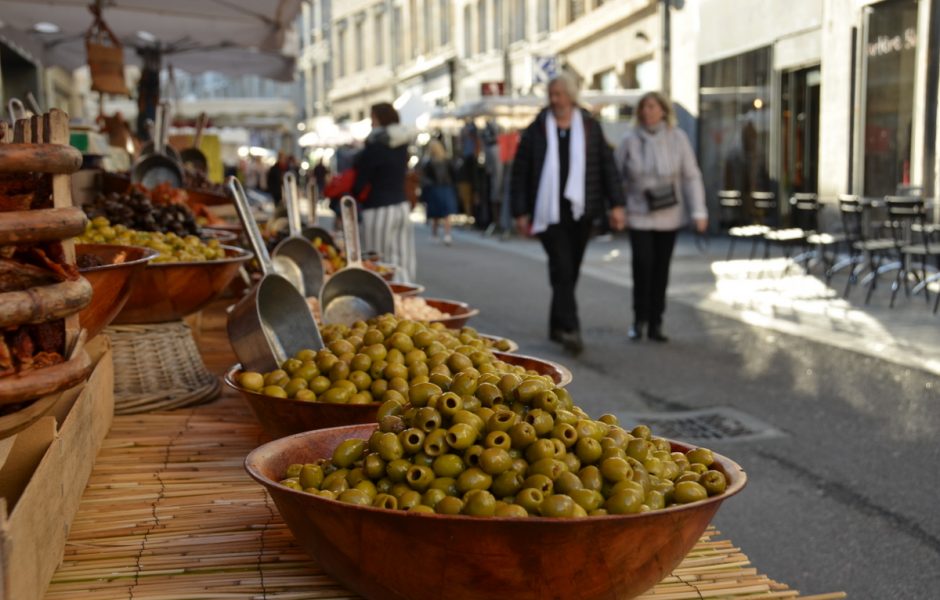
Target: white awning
column 235, row 37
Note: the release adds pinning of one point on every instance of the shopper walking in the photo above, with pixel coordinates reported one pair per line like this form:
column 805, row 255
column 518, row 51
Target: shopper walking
column 438, row 177
column 563, row 176
column 386, row 226
column 663, row 187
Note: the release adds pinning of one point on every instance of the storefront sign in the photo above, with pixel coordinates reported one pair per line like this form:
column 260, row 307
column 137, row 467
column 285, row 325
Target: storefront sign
column 884, row 45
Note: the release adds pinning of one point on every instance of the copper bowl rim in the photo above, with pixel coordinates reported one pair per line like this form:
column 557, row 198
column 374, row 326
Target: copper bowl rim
column 233, row 254
column 566, row 375
column 733, row 472
column 416, row 289
column 468, row 311
column 495, row 338
column 148, row 255
column 229, row 379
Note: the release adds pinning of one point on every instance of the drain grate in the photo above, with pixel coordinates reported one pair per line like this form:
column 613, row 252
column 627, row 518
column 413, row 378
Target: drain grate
column 705, row 425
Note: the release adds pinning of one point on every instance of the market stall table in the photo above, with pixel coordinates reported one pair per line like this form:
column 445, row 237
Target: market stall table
column 169, row 512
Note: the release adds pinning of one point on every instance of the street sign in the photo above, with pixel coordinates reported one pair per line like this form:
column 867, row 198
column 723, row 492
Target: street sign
column 544, row 68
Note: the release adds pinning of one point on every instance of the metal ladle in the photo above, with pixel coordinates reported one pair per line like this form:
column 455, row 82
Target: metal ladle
column 354, row 293
column 297, row 248
column 273, row 321
column 313, row 230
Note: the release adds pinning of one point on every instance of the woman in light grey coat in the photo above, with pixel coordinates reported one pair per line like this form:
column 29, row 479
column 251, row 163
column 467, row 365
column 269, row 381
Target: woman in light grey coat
column 663, row 187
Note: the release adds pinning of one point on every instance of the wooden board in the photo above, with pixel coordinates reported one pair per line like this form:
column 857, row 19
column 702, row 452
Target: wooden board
column 170, row 514
column 35, row 522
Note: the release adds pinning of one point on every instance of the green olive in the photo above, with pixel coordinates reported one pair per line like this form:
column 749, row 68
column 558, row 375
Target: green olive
column 473, row 478
column 530, row 499
column 502, row 420
column 543, row 448
column 276, row 377
column 427, row 419
column 547, row 401
column 448, row 485
column 639, row 449
column 435, row 442
column 689, row 491
column 310, row 476
column 335, row 395
column 419, row 394
column 449, row 403
column 587, row 499
column 557, row 506
column 528, row 390
column 624, row 503
column 508, row 384
column 479, row 503
column 507, row 484
column 702, row 456
column 419, row 478
column 540, row 482
column 522, row 435
column 389, row 447
column 641, row 431
column 541, row 421
column 488, row 394
column 348, row 452
column 461, row 436
column 655, row 500
column 385, row 501
column 450, row 505
column 464, row 384
column 609, row 419
column 374, row 466
column 319, row 384
column 714, row 482
column 494, row 461
column 412, row 440
column 448, row 465
column 251, row 380
column 498, row 439
column 409, row 499
column 432, row 496
column 510, row 511
column 275, row 391
column 591, row 477
column 566, row 482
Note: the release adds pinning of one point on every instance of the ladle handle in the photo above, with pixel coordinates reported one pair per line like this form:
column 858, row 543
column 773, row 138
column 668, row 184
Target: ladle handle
column 200, row 126
column 312, row 192
column 159, row 125
column 17, row 110
column 33, row 104
column 249, row 225
column 351, row 231
column 289, row 195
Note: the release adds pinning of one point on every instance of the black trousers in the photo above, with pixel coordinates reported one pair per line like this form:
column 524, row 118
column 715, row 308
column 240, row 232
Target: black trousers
column 652, row 253
column 564, row 244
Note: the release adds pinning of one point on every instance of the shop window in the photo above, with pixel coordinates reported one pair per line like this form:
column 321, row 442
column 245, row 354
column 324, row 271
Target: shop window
column 734, row 124
column 576, row 9
column 890, row 55
column 396, row 36
column 519, row 18
column 428, row 26
column 360, row 44
column 341, row 51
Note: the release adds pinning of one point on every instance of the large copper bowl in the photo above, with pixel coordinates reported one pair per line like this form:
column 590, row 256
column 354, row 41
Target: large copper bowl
column 560, row 374
column 280, row 417
column 111, row 282
column 394, row 555
column 459, row 312
column 510, row 345
column 170, row 291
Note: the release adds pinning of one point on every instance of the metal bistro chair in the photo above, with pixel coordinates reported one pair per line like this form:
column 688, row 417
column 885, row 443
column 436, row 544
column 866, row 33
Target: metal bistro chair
column 863, row 251
column 804, row 213
column 732, row 202
column 908, row 219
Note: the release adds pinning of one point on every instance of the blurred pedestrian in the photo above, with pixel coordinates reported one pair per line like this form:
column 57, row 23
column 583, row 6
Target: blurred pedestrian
column 382, row 165
column 663, row 187
column 320, row 174
column 438, row 177
column 275, row 177
column 563, row 176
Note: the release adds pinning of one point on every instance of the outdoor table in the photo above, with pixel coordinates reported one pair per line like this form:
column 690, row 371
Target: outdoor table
column 169, row 512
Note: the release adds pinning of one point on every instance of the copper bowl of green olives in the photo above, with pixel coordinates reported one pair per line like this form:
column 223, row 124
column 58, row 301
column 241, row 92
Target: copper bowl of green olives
column 281, row 417
column 459, row 312
column 559, row 373
column 408, row 555
column 169, row 291
column 501, row 344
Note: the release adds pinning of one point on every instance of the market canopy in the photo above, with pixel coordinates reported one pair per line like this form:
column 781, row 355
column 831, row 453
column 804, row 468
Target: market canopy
column 236, row 37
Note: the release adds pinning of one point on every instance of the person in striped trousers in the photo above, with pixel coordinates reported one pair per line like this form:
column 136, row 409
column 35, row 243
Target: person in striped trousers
column 385, row 213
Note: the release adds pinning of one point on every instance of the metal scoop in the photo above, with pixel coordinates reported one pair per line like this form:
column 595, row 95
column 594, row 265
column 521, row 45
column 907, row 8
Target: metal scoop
column 297, row 248
column 273, row 321
column 313, row 230
column 353, row 293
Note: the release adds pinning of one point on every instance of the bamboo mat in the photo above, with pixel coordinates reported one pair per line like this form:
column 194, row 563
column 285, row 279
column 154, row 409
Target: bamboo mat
column 170, row 514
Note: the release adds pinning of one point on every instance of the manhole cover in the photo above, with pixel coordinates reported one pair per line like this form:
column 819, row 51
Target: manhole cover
column 705, row 425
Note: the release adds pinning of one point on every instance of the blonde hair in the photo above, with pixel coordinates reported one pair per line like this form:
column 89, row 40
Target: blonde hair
column 669, row 114
column 568, row 83
column 436, row 150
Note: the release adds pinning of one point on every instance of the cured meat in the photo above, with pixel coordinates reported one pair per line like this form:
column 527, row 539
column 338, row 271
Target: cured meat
column 16, row 276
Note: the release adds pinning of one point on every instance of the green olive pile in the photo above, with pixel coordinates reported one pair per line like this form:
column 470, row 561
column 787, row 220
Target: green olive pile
column 379, row 360
column 506, row 446
column 172, row 248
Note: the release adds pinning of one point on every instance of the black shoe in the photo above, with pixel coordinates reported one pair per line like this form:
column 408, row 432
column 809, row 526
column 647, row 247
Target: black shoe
column 555, row 335
column 656, row 334
column 636, row 331
column 571, row 340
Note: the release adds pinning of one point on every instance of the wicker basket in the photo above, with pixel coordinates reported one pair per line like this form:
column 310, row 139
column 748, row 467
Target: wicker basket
column 158, row 367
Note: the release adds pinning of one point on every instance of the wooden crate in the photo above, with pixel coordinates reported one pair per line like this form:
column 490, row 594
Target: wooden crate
column 44, row 476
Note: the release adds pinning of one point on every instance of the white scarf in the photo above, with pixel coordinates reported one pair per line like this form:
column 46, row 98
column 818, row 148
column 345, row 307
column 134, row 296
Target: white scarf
column 548, row 199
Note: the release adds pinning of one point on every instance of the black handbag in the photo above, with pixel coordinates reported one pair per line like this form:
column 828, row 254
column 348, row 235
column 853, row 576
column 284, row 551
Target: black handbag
column 661, row 196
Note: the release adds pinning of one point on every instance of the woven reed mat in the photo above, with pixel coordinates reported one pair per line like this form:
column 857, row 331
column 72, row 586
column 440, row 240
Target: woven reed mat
column 170, row 514
column 158, row 367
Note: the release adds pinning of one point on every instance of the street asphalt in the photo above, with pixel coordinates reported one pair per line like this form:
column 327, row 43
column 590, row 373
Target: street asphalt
column 842, row 492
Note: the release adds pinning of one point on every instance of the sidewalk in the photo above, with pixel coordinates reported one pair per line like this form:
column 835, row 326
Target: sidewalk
column 759, row 293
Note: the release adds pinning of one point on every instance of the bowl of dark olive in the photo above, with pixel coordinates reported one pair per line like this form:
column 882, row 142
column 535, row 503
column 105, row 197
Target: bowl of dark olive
column 111, row 270
column 169, row 291
column 280, row 417
column 390, row 547
column 458, row 312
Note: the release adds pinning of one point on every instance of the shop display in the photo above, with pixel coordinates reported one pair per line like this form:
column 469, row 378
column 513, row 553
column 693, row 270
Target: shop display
column 507, row 447
column 171, row 247
column 417, row 308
